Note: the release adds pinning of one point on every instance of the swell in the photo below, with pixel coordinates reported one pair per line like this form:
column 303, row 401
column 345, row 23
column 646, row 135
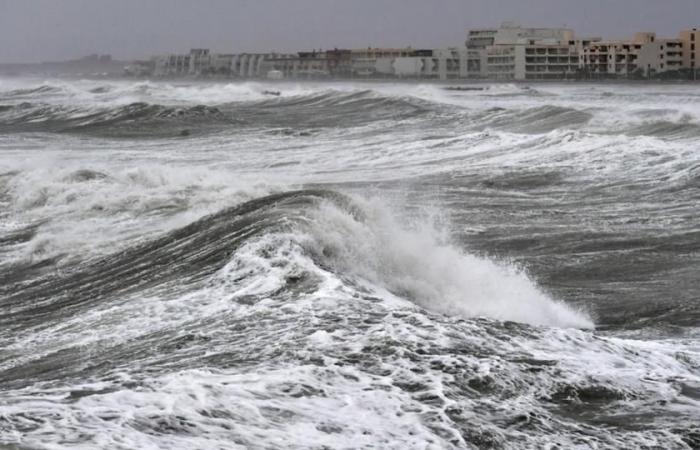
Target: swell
column 665, row 129
column 325, row 109
column 24, row 110
column 138, row 118
column 536, row 120
column 43, row 89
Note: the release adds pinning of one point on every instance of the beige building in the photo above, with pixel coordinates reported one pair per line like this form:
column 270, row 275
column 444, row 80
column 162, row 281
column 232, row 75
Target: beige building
column 690, row 43
column 644, row 55
column 661, row 55
column 614, row 57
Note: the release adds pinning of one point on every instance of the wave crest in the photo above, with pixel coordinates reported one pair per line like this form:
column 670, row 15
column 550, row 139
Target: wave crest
column 268, row 246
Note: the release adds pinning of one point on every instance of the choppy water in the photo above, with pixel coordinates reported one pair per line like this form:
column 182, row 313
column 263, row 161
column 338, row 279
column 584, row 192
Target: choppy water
column 207, row 266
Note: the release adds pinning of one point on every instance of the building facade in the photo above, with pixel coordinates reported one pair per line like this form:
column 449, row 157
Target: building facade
column 662, row 55
column 515, row 53
column 690, row 47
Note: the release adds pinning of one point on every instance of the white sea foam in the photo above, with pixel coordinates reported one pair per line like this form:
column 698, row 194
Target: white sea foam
column 437, row 276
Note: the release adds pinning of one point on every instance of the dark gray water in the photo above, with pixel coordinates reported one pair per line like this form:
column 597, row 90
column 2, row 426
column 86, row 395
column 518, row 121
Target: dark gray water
column 349, row 266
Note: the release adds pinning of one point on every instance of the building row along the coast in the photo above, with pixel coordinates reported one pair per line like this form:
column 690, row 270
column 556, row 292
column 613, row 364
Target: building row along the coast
column 515, row 53
column 509, row 52
column 337, row 63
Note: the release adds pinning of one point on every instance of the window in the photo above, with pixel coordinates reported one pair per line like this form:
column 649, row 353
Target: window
column 692, row 37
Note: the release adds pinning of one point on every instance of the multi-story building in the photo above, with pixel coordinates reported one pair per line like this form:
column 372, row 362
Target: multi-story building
column 200, row 60
column 452, row 63
column 196, row 62
column 644, row 55
column 339, row 63
column 248, row 65
column 172, row 65
column 515, row 53
column 410, row 63
column 314, row 64
column 603, row 59
column 546, row 60
column 661, row 55
column 477, row 41
column 376, row 62
column 220, row 64
column 690, row 47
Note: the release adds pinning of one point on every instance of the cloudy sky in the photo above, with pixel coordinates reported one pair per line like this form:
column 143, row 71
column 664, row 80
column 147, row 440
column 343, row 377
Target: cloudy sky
column 37, row 30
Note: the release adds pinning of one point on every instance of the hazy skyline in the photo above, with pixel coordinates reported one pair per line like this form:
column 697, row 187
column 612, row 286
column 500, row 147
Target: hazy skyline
column 40, row 30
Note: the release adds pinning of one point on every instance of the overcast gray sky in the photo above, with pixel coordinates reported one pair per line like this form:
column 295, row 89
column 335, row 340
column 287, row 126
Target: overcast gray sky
column 37, row 30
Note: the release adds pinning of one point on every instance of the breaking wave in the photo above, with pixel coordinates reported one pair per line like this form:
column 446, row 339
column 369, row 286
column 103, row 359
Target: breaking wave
column 364, row 246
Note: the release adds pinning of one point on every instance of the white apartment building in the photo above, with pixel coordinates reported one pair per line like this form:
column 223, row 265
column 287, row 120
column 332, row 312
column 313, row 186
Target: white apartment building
column 171, row 65
column 515, row 53
column 200, row 60
column 441, row 64
column 196, row 62
column 248, row 65
column 452, row 63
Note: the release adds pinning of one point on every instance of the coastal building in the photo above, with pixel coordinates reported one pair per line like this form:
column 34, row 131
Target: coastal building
column 644, row 55
column 452, row 63
column 247, row 65
column 377, row 62
column 512, row 52
column 339, row 63
column 408, row 63
column 200, row 61
column 171, row 65
column 196, row 62
column 220, row 64
column 477, row 42
column 305, row 65
column 614, row 58
column 690, row 47
column 661, row 55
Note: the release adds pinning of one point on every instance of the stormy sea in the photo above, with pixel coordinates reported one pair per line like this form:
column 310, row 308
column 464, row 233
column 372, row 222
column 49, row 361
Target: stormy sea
column 349, row 265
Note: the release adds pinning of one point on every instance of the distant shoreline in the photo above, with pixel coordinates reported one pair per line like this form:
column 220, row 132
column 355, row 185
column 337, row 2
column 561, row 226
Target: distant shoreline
column 11, row 71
